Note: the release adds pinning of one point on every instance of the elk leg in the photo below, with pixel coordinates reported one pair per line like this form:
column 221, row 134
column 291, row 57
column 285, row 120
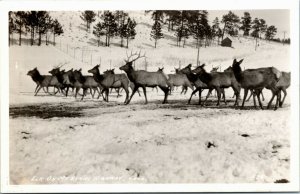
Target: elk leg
column 37, row 86
column 223, row 93
column 262, row 95
column 144, row 90
column 271, row 100
column 254, row 99
column 56, row 91
column 200, row 91
column 251, row 94
column 133, row 91
column 76, row 92
column 166, row 91
column 281, row 102
column 245, row 96
column 218, row 90
column 84, row 93
column 107, row 93
column 208, row 94
column 192, row 95
column 67, row 91
column 139, row 93
column 278, row 99
column 259, row 101
column 127, row 94
column 38, row 91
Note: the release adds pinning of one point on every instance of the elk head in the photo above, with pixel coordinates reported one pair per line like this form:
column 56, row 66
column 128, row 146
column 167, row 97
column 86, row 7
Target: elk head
column 55, row 71
column 94, row 70
column 199, row 70
column 129, row 61
column 187, row 69
column 32, row 72
column 236, row 65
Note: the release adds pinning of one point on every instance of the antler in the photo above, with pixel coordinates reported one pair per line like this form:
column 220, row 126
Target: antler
column 133, row 54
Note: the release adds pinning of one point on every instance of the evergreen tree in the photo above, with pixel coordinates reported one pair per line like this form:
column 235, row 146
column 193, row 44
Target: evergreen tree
column 98, row 32
column 88, row 17
column 156, row 31
column 57, row 29
column 246, row 23
column 270, row 32
column 120, row 17
column 43, row 24
column 262, row 26
column 230, row 21
column 182, row 31
column 20, row 22
column 109, row 25
column 11, row 26
column 32, row 22
column 216, row 29
column 129, row 30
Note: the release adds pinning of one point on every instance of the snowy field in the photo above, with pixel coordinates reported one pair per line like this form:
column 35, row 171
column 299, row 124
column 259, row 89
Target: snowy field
column 56, row 139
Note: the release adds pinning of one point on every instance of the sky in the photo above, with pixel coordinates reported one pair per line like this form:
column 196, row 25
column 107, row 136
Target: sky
column 279, row 18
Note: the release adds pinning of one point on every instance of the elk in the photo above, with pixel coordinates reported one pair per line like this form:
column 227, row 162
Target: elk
column 110, row 80
column 256, row 80
column 43, row 81
column 68, row 80
column 144, row 79
column 217, row 81
column 283, row 83
column 178, row 79
column 194, row 79
column 85, row 82
column 118, row 85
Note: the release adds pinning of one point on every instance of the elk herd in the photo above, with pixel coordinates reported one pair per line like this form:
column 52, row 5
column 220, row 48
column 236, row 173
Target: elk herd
column 198, row 79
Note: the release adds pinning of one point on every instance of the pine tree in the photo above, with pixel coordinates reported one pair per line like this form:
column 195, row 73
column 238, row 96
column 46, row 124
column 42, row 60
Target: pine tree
column 110, row 26
column 230, row 21
column 98, row 32
column 57, row 29
column 11, row 26
column 88, row 17
column 120, row 17
column 246, row 23
column 156, row 31
column 262, row 26
column 216, row 29
column 130, row 30
column 43, row 18
column 182, row 31
column 20, row 22
column 32, row 22
column 270, row 32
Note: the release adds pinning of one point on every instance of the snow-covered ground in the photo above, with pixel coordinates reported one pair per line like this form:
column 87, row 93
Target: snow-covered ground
column 56, row 139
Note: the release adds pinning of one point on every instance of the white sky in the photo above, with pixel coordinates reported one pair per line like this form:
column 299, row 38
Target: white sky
column 279, row 18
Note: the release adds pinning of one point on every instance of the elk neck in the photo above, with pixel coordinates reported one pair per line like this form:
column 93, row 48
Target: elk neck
column 37, row 77
column 205, row 77
column 130, row 73
column 191, row 77
column 237, row 71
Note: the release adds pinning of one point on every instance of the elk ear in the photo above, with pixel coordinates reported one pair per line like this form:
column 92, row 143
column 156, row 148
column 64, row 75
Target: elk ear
column 97, row 66
column 241, row 61
column 35, row 68
column 190, row 65
column 79, row 70
column 234, row 61
column 202, row 65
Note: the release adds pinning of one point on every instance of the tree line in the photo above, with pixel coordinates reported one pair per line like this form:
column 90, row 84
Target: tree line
column 194, row 24
column 37, row 23
column 111, row 24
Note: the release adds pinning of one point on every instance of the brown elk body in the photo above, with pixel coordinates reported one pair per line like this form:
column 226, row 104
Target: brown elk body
column 256, row 80
column 144, row 79
column 218, row 80
column 85, row 83
column 110, row 80
column 43, row 81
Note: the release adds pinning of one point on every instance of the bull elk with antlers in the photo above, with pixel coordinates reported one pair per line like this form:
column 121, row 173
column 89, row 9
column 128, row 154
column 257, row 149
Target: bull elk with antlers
column 144, row 79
